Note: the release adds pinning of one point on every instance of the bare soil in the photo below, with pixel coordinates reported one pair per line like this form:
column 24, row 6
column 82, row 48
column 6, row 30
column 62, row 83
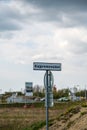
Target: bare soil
column 77, row 121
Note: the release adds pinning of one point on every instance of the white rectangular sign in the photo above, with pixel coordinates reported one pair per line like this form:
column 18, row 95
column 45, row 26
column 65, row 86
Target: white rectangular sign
column 47, row 66
column 28, row 89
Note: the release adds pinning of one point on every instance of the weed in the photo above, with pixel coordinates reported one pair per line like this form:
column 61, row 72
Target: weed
column 84, row 105
column 83, row 113
column 36, row 126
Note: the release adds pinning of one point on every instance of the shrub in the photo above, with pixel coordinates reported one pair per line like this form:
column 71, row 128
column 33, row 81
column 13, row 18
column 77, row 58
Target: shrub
column 84, row 105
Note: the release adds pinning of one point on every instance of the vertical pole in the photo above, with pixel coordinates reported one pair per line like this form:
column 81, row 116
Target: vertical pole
column 47, row 116
column 85, row 93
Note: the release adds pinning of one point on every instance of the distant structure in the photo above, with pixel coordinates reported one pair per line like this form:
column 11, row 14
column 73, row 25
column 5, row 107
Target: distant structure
column 27, row 98
column 14, row 98
column 28, row 89
column 72, row 92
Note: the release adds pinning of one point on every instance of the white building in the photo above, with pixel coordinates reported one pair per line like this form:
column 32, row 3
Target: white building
column 20, row 99
column 72, row 96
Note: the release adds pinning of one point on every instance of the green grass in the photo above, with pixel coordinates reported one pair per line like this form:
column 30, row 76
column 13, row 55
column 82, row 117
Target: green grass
column 84, row 104
column 36, row 126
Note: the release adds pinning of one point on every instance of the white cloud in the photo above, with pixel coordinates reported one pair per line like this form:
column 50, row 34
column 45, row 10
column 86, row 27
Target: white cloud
column 42, row 38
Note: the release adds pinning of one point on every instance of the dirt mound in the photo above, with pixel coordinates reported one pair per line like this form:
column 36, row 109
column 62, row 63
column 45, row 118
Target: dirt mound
column 73, row 119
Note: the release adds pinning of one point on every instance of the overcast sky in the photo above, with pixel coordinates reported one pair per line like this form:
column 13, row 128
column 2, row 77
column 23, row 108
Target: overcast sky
column 45, row 31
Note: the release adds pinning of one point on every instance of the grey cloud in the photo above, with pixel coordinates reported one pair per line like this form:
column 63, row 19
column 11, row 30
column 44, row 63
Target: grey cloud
column 9, row 26
column 58, row 11
column 10, row 19
column 59, row 4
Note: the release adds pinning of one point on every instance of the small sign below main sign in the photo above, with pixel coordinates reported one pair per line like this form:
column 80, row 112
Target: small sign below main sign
column 47, row 66
column 48, row 80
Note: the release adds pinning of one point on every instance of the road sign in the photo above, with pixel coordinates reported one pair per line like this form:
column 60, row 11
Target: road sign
column 50, row 100
column 47, row 66
column 50, row 80
column 48, row 83
column 28, row 88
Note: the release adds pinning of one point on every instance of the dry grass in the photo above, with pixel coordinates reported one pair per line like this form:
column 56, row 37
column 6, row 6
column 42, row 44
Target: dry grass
column 21, row 118
column 28, row 118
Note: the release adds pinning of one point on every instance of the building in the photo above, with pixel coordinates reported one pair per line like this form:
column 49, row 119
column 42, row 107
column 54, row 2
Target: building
column 20, row 99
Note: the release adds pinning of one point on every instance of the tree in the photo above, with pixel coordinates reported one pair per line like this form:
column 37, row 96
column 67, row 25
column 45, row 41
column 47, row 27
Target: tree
column 61, row 93
column 38, row 91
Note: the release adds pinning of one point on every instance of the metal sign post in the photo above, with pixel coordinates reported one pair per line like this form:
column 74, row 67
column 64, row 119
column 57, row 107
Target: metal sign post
column 48, row 83
column 46, row 100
